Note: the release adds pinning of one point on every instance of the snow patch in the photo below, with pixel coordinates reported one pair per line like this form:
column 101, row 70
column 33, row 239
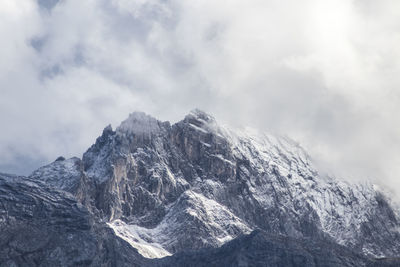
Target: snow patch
column 197, row 128
column 138, row 237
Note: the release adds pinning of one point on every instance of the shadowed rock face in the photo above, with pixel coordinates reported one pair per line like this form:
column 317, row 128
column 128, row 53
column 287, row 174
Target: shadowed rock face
column 194, row 185
column 42, row 226
column 266, row 250
column 262, row 249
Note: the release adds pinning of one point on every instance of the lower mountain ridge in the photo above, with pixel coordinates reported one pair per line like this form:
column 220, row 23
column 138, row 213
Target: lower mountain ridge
column 194, row 193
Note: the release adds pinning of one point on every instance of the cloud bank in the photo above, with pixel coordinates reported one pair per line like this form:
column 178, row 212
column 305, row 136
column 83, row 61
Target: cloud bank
column 325, row 73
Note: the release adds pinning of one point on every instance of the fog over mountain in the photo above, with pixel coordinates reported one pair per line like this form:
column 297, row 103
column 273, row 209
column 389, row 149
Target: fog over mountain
column 324, row 73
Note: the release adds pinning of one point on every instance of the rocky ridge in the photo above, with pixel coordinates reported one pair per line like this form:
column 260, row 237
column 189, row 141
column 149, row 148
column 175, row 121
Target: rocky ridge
column 158, row 189
column 261, row 181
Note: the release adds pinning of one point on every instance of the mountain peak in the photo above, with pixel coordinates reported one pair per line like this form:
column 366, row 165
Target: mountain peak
column 201, row 121
column 200, row 115
column 107, row 129
column 139, row 123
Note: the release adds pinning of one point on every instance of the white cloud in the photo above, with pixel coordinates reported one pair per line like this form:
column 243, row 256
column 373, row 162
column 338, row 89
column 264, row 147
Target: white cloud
column 323, row 72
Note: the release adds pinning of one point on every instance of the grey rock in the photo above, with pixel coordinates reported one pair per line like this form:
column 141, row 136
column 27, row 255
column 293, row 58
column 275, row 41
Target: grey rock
column 269, row 182
column 67, row 175
column 265, row 250
column 197, row 190
column 43, row 226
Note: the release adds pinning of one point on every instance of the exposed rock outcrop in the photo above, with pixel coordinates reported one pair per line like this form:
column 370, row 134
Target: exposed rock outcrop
column 230, row 197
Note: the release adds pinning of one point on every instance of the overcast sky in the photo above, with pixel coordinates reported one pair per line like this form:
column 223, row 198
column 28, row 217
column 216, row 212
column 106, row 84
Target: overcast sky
column 326, row 73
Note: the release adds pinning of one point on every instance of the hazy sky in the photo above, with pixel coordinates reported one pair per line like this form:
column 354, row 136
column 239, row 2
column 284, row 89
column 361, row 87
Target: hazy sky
column 326, row 73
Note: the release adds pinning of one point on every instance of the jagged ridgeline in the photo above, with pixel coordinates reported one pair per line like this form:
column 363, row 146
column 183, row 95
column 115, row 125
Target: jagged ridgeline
column 192, row 194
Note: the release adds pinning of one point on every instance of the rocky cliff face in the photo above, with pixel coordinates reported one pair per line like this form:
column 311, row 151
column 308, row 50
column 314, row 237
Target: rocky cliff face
column 165, row 189
column 214, row 184
column 43, row 226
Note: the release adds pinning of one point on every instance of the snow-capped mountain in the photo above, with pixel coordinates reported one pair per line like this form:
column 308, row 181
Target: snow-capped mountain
column 165, row 189
column 196, row 184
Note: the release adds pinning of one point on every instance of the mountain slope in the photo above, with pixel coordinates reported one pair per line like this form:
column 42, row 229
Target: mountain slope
column 145, row 167
column 194, row 190
column 262, row 249
column 42, row 226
